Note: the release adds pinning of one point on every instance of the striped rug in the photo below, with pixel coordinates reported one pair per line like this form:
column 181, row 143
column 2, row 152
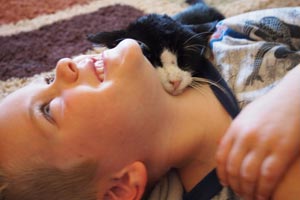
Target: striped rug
column 35, row 34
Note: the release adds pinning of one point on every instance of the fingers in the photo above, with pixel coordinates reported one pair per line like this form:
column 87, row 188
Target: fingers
column 250, row 171
column 230, row 155
column 251, row 163
column 234, row 163
column 222, row 156
column 254, row 173
column 239, row 162
column 266, row 181
column 271, row 170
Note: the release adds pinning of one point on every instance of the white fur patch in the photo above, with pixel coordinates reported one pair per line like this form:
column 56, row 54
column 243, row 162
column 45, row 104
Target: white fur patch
column 174, row 79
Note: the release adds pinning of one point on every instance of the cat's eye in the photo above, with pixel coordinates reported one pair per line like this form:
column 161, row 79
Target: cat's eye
column 143, row 46
column 146, row 50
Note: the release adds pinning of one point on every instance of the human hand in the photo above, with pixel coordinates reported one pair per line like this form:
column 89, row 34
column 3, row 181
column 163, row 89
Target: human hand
column 261, row 143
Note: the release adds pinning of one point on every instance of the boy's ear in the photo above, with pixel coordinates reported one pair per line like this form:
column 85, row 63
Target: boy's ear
column 129, row 183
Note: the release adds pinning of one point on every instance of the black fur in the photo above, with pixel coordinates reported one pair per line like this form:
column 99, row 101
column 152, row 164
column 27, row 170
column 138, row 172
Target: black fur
column 155, row 32
column 185, row 34
column 198, row 13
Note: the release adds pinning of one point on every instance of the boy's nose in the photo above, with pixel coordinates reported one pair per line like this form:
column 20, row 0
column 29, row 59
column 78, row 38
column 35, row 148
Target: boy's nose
column 66, row 70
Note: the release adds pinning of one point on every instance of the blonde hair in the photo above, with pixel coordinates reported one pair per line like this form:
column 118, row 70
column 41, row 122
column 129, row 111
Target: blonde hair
column 48, row 183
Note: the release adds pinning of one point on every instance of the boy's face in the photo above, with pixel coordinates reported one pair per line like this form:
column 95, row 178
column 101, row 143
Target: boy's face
column 78, row 116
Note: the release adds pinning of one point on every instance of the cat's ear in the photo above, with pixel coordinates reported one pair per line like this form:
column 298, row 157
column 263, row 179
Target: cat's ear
column 203, row 28
column 108, row 39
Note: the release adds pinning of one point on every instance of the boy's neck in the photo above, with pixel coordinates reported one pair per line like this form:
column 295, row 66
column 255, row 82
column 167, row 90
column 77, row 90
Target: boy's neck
column 203, row 123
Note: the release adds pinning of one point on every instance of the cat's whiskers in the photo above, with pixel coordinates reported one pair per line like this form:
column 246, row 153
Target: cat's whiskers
column 197, row 86
column 196, row 36
column 205, row 34
column 196, row 45
column 197, row 82
column 192, row 46
column 189, row 39
column 196, row 48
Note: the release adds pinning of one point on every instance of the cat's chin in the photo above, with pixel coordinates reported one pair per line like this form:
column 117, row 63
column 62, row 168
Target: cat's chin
column 173, row 88
column 177, row 92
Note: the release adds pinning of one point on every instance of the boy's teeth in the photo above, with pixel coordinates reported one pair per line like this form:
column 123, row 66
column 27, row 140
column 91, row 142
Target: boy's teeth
column 99, row 63
column 100, row 70
column 99, row 66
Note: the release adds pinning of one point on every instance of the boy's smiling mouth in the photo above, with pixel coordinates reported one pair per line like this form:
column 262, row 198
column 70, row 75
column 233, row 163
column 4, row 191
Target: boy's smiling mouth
column 98, row 63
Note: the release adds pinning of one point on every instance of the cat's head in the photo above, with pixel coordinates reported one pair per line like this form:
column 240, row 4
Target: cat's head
column 157, row 34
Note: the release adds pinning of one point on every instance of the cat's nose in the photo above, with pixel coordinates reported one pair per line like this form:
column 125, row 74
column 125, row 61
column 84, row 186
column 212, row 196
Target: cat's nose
column 175, row 84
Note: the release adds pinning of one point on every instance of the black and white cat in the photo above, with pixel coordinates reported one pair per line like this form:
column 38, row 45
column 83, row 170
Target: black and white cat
column 176, row 46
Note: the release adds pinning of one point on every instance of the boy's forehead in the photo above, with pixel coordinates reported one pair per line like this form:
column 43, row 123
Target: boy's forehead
column 13, row 110
column 18, row 135
column 12, row 101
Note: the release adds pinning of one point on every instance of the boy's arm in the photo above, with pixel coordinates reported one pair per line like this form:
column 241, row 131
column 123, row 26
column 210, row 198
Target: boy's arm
column 263, row 140
column 288, row 188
